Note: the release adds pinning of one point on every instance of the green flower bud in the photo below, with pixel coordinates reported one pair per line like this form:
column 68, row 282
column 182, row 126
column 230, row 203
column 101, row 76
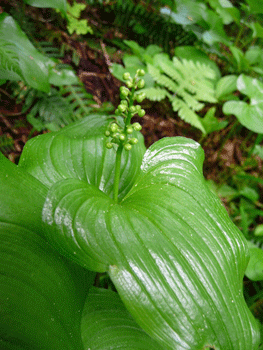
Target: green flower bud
column 138, row 108
column 140, row 97
column 128, row 147
column 129, row 84
column 124, row 102
column 132, row 109
column 137, row 126
column 109, row 145
column 140, row 84
column 141, row 113
column 133, row 141
column 129, row 129
column 107, row 133
column 122, row 108
column 126, row 76
column 114, row 127
column 122, row 137
column 140, row 72
column 117, row 111
column 124, row 92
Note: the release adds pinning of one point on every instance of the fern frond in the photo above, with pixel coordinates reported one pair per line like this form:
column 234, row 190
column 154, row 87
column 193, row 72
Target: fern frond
column 9, row 62
column 187, row 84
column 161, row 79
column 47, row 49
column 6, row 144
column 79, row 99
column 146, row 24
column 50, row 111
column 187, row 114
column 199, row 78
column 57, row 109
column 155, row 94
column 191, row 100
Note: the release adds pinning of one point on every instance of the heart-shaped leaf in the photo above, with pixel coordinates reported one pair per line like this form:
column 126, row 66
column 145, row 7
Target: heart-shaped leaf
column 78, row 151
column 171, row 250
column 106, row 324
column 248, row 114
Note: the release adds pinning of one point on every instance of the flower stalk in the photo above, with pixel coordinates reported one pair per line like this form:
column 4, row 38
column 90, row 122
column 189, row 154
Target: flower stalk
column 120, row 134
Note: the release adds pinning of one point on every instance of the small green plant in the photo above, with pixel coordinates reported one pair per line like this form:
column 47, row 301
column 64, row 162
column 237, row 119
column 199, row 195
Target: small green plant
column 75, row 24
column 6, row 144
column 146, row 218
column 58, row 108
column 188, row 81
column 185, row 83
column 20, row 60
column 248, row 114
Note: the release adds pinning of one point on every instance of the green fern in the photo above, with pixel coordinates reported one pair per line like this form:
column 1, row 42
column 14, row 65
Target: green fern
column 60, row 108
column 6, row 144
column 186, row 83
column 49, row 50
column 145, row 23
column 9, row 68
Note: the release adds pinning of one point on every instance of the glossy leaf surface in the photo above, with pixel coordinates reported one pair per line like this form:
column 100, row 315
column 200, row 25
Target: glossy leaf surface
column 57, row 4
column 41, row 294
column 106, row 324
column 172, row 252
column 78, row 151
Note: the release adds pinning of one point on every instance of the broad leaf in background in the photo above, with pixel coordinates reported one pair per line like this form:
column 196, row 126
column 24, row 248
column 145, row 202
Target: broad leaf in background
column 169, row 246
column 250, row 114
column 19, row 58
column 211, row 123
column 56, row 4
column 205, row 23
column 254, row 269
column 226, row 86
column 106, row 324
column 255, row 6
column 41, row 294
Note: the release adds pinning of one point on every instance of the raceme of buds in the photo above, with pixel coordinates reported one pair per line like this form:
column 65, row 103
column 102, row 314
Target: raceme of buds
column 119, row 135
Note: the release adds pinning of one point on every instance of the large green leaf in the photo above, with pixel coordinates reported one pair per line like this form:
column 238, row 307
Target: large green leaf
column 21, row 197
column 172, row 252
column 59, row 4
column 249, row 114
column 106, row 324
column 41, row 294
column 19, row 58
column 78, row 151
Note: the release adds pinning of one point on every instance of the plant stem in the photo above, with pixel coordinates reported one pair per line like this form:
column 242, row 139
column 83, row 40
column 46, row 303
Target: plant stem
column 117, row 173
column 240, row 32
